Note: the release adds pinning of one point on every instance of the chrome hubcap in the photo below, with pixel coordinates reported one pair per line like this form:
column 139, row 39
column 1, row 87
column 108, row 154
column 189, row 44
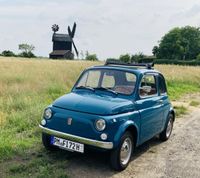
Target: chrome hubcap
column 169, row 128
column 126, row 150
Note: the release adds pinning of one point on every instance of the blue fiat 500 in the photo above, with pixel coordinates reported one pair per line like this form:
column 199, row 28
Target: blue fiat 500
column 115, row 107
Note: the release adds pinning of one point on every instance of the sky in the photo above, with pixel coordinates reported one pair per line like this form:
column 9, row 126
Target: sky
column 105, row 27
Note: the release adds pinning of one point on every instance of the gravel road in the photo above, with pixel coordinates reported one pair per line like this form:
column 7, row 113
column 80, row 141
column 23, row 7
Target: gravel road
column 179, row 157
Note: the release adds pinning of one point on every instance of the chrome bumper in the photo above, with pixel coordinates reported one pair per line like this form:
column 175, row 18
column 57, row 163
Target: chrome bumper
column 96, row 143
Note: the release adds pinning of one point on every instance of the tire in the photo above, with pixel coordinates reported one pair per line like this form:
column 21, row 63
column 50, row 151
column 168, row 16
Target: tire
column 117, row 161
column 46, row 139
column 166, row 133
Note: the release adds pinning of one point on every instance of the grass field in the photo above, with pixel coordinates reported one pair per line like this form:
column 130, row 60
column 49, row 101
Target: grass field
column 28, row 86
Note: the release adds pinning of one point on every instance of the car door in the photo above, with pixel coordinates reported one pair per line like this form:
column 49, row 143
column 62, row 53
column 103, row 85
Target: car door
column 150, row 107
column 162, row 90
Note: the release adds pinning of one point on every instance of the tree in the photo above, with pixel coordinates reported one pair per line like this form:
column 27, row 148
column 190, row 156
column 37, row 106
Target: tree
column 198, row 57
column 26, row 50
column 179, row 43
column 155, row 50
column 125, row 58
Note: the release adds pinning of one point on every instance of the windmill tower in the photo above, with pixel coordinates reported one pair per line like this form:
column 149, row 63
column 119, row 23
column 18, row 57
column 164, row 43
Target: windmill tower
column 63, row 43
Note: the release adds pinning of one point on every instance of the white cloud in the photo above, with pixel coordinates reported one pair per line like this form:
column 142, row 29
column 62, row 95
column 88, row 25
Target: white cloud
column 108, row 28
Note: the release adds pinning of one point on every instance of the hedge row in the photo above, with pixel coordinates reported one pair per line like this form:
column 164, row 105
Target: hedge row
column 168, row 61
column 177, row 62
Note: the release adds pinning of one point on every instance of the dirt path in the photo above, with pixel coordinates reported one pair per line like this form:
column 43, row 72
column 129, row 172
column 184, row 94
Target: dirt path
column 179, row 157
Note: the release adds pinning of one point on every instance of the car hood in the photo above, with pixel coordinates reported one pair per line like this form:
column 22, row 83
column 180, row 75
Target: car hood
column 94, row 103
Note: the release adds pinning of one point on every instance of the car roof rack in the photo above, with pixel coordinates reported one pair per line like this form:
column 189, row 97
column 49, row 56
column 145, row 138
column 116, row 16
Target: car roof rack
column 120, row 63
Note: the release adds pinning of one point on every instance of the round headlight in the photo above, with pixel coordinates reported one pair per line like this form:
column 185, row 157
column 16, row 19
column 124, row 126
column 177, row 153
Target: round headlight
column 100, row 124
column 47, row 113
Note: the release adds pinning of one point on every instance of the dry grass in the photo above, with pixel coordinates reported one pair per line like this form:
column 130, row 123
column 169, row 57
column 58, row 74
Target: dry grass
column 2, row 118
column 20, row 75
column 190, row 74
column 35, row 75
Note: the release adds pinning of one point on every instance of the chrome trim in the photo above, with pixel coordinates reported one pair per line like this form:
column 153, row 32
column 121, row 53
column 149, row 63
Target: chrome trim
column 96, row 143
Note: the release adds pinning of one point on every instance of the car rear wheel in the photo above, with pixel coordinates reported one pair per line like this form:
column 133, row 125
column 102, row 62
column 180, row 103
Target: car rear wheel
column 120, row 157
column 46, row 140
column 166, row 133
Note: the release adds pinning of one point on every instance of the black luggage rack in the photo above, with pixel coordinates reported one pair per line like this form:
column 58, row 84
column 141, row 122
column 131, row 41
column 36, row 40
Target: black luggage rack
column 120, row 63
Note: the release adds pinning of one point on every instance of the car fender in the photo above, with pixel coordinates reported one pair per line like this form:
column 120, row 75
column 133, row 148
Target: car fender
column 171, row 111
column 122, row 129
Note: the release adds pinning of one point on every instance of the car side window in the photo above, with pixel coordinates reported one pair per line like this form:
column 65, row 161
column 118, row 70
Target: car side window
column 161, row 85
column 148, row 86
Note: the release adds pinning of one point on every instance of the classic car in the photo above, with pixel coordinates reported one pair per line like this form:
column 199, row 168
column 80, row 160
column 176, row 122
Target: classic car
column 113, row 107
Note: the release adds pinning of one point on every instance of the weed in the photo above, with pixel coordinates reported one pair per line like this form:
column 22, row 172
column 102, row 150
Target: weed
column 180, row 110
column 194, row 103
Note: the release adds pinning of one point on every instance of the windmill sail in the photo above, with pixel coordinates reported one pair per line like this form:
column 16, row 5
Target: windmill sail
column 73, row 30
column 71, row 34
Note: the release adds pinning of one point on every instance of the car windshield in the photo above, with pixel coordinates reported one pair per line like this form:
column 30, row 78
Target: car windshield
column 114, row 81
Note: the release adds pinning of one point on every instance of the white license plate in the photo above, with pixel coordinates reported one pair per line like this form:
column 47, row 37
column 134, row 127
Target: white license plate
column 67, row 144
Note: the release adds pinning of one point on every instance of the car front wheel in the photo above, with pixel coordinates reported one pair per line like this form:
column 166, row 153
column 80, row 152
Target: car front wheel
column 120, row 157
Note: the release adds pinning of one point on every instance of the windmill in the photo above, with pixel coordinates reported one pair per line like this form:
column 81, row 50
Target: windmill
column 63, row 43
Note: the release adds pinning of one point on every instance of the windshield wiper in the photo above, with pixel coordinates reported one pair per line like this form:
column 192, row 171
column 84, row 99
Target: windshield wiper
column 85, row 87
column 106, row 89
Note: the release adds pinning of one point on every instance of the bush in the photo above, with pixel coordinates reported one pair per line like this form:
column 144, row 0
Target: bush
column 27, row 55
column 8, row 53
column 110, row 59
column 91, row 57
column 147, row 59
column 137, row 57
column 125, row 58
